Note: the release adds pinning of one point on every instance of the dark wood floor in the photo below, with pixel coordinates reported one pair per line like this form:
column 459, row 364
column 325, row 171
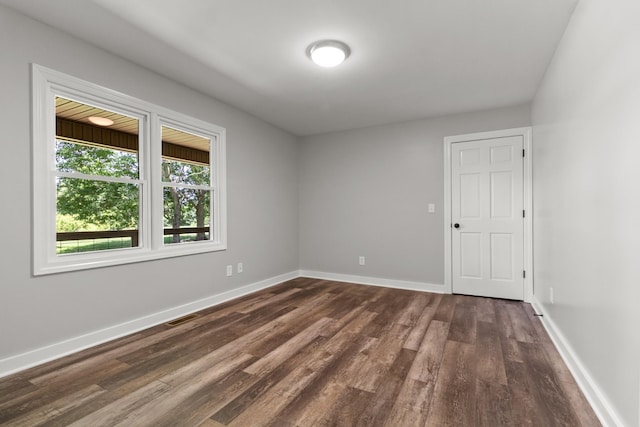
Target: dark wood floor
column 311, row 352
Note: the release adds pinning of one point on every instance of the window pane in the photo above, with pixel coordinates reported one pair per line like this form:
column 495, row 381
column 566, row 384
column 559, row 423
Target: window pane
column 86, row 143
column 185, row 157
column 185, row 173
column 186, row 214
column 95, row 215
column 74, row 157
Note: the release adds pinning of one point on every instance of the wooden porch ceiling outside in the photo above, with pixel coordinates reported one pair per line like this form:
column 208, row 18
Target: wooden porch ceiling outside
column 72, row 122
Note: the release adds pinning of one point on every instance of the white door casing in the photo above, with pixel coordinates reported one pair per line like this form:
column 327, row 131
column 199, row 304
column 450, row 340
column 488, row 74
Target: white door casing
column 487, row 195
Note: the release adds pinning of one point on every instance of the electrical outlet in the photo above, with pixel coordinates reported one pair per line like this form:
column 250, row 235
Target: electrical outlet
column 431, row 208
column 240, row 267
column 229, row 270
column 361, row 260
column 551, row 295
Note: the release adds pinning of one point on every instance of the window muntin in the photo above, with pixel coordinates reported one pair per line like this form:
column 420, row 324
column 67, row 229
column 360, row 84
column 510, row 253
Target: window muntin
column 76, row 164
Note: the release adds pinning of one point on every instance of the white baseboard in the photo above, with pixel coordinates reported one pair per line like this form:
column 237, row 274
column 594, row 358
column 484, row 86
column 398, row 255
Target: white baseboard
column 45, row 354
column 600, row 404
column 375, row 281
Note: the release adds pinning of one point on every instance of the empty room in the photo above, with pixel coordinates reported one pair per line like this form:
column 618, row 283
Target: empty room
column 297, row 213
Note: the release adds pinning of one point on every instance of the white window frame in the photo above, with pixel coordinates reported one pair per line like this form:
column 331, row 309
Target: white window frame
column 46, row 85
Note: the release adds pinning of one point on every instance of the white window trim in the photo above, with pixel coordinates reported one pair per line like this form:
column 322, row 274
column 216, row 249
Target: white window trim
column 46, row 84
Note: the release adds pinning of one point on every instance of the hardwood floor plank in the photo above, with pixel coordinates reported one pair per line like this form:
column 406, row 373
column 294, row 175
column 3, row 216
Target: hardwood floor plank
column 71, row 359
column 465, row 299
column 489, row 355
column 380, row 404
column 411, row 406
column 348, row 303
column 14, row 385
column 298, row 282
column 284, row 332
column 427, row 362
column 454, row 396
column 522, row 327
column 336, row 344
column 236, row 306
column 260, row 317
column 330, row 390
column 389, row 311
column 486, row 310
column 447, row 304
column 583, row 410
column 313, row 352
column 551, row 401
column 269, row 404
column 412, row 312
column 286, row 350
column 505, row 323
column 302, row 411
column 493, row 405
column 350, row 408
column 523, row 405
column 463, row 323
column 210, row 423
column 349, row 371
column 253, row 338
column 420, row 328
column 47, row 413
column 380, row 358
column 346, row 319
column 268, row 301
column 109, row 398
column 195, row 343
column 163, row 409
column 123, row 410
column 43, row 395
column 199, row 403
column 320, row 358
column 151, row 369
column 80, row 370
column 508, row 342
column 118, row 348
column 378, row 300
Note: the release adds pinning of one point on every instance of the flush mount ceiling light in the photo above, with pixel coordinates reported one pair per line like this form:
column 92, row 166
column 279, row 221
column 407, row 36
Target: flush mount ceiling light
column 328, row 53
column 100, row 121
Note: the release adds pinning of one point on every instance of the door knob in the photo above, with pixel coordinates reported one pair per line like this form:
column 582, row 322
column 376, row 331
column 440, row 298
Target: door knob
column 456, row 225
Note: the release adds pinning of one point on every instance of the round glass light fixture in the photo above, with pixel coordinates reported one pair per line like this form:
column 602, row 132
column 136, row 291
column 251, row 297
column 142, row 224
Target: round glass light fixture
column 328, row 53
column 100, row 121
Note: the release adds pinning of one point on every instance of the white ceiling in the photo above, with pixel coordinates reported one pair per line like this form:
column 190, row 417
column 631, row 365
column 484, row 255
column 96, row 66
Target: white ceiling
column 410, row 58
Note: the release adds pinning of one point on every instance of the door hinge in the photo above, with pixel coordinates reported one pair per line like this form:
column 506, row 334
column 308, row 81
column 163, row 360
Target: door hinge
column 523, row 152
column 523, row 213
column 524, row 274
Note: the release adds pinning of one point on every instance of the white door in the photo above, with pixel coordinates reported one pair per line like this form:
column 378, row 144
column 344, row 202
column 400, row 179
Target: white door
column 487, row 217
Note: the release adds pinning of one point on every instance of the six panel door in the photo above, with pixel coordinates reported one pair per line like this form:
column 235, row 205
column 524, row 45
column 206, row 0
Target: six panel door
column 487, row 217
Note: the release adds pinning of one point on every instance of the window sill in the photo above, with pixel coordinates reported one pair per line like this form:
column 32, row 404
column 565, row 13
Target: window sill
column 86, row 261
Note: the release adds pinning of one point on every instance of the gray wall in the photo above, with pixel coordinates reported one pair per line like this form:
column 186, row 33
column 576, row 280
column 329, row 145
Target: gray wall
column 365, row 192
column 262, row 201
column 587, row 195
